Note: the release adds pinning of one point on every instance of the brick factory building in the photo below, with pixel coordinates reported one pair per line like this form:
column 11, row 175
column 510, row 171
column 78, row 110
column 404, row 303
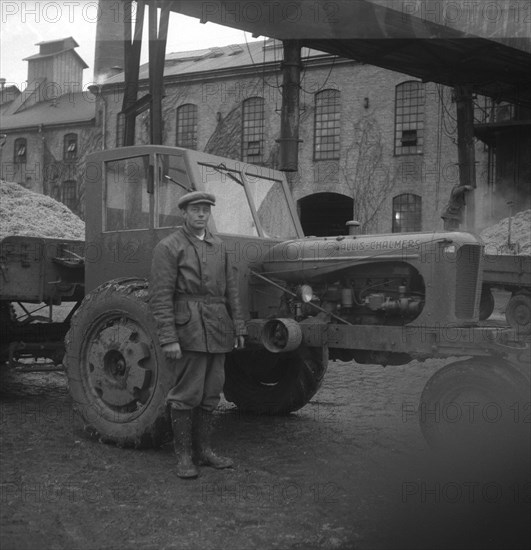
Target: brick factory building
column 376, row 145
column 49, row 126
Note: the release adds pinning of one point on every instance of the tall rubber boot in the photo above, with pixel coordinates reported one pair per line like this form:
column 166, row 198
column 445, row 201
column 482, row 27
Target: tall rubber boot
column 181, row 421
column 203, row 424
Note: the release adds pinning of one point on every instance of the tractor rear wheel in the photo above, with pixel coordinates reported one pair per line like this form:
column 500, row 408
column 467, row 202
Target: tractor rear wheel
column 261, row 382
column 117, row 372
column 476, row 406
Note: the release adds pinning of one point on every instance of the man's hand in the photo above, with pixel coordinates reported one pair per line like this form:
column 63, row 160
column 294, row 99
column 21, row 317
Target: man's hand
column 172, row 351
column 239, row 342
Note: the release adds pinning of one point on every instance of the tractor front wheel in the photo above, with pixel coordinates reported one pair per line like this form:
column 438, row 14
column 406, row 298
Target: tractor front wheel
column 261, row 382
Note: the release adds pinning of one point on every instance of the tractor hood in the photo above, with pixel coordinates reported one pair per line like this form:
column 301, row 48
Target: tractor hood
column 316, row 257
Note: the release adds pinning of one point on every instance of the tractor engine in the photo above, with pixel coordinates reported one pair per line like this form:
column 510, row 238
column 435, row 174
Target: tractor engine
column 393, row 279
column 388, row 293
column 331, row 285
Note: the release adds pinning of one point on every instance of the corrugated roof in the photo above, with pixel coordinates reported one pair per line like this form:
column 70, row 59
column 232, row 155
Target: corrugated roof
column 225, row 57
column 66, row 44
column 66, row 109
column 187, row 56
column 68, row 39
column 53, row 54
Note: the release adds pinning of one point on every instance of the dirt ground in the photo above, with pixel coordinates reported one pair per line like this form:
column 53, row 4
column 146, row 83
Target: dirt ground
column 350, row 470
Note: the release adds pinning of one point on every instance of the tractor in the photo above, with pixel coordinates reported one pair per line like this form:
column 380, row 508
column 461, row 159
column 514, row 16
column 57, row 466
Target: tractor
column 378, row 299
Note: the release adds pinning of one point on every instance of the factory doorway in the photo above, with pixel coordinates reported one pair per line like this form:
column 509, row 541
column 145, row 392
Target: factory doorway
column 325, row 214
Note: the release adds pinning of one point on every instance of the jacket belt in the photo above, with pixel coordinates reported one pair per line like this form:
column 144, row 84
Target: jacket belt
column 204, row 298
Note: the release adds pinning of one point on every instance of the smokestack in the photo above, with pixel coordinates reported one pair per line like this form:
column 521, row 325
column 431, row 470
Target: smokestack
column 109, row 53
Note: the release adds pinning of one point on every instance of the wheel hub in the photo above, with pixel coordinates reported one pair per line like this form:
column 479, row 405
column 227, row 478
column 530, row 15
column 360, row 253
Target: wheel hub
column 522, row 314
column 117, row 356
column 114, row 363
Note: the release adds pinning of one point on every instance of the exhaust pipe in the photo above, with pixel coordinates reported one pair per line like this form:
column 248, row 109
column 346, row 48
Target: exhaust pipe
column 353, row 227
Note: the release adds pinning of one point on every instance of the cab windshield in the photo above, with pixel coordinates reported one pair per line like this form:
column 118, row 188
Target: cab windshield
column 233, row 213
column 271, row 206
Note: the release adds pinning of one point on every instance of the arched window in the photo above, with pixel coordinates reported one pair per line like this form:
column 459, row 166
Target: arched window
column 327, row 125
column 407, row 213
column 186, row 126
column 20, row 151
column 70, row 147
column 69, row 194
column 409, row 118
column 253, row 130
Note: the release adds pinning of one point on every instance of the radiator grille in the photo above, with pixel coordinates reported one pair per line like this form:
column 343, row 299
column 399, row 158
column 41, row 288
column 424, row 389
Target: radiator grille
column 466, row 280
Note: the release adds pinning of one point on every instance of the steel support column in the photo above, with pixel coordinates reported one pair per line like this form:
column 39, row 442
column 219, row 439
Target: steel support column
column 465, row 147
column 132, row 46
column 289, row 116
column 158, row 34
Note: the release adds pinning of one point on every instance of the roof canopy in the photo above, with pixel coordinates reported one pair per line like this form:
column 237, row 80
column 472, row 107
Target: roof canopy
column 484, row 44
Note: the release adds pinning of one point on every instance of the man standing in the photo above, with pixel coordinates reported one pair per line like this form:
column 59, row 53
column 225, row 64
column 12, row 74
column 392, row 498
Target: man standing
column 192, row 288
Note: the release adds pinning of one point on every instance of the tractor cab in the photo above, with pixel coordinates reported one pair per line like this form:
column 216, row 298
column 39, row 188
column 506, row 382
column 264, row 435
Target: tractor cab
column 132, row 196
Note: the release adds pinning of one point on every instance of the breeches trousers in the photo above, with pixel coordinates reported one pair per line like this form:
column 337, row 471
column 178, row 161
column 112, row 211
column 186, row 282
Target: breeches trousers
column 199, row 379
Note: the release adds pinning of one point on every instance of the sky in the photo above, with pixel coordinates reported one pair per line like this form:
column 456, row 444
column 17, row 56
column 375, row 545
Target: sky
column 25, row 23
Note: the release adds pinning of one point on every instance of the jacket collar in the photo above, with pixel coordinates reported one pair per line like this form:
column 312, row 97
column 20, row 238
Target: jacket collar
column 209, row 237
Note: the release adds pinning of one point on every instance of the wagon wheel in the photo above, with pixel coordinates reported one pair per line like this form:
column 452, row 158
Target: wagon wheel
column 8, row 322
column 476, row 406
column 261, row 382
column 117, row 372
column 518, row 312
column 486, row 304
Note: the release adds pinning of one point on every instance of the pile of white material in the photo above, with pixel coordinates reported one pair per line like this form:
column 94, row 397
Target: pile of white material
column 24, row 212
column 496, row 236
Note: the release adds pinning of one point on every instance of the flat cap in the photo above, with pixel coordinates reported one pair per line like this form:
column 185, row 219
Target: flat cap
column 196, row 197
